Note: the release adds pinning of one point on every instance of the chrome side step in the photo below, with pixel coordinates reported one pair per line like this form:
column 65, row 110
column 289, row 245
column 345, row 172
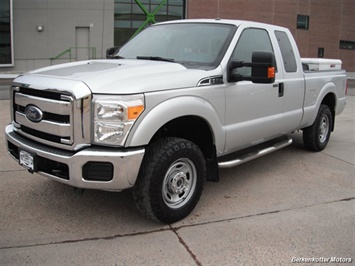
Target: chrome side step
column 253, row 153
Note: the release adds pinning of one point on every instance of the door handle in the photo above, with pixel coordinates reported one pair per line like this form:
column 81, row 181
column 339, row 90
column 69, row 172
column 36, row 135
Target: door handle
column 281, row 89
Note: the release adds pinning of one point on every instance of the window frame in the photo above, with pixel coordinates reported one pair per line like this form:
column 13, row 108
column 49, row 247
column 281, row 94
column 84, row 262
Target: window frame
column 301, row 24
column 144, row 12
column 344, row 45
column 12, row 63
column 289, row 58
column 232, row 57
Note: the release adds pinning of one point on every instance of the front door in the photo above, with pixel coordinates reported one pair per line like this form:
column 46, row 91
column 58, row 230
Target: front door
column 253, row 111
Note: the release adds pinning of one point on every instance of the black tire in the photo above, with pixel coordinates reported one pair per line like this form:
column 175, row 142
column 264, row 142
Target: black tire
column 170, row 181
column 316, row 137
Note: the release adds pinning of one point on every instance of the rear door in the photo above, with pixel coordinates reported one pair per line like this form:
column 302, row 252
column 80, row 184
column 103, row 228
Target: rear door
column 292, row 82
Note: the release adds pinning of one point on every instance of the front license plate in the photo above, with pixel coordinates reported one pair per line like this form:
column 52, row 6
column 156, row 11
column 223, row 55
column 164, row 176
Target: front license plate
column 27, row 160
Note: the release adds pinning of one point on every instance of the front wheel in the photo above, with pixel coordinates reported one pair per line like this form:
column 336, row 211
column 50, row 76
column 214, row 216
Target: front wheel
column 316, row 137
column 171, row 179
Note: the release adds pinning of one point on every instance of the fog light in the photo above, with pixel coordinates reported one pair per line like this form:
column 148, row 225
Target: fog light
column 98, row 171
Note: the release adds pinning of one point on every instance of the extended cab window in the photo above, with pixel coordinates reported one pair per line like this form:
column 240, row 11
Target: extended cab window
column 288, row 55
column 251, row 40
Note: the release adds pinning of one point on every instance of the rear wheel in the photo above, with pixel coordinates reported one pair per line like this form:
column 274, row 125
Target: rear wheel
column 170, row 181
column 316, row 137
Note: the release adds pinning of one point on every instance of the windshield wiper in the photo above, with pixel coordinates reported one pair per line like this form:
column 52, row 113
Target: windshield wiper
column 116, row 57
column 155, row 58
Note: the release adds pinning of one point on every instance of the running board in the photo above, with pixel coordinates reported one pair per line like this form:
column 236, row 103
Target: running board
column 252, row 153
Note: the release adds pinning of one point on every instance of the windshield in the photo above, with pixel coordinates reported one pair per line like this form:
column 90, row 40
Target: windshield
column 195, row 45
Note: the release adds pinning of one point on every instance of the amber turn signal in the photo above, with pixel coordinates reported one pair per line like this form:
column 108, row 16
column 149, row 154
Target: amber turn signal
column 270, row 72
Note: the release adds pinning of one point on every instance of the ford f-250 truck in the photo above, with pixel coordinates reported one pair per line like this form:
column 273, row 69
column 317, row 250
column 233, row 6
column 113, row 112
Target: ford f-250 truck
column 170, row 107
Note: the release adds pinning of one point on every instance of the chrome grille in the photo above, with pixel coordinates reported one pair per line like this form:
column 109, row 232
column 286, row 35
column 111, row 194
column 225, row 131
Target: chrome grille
column 57, row 115
column 64, row 121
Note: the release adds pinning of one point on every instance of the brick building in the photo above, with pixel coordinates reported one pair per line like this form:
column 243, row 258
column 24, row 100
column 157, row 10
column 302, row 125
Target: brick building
column 37, row 33
column 322, row 28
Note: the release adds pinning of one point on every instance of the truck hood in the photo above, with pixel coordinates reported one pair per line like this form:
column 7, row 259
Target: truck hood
column 124, row 76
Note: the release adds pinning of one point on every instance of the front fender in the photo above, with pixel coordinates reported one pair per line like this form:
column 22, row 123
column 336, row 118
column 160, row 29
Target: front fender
column 151, row 121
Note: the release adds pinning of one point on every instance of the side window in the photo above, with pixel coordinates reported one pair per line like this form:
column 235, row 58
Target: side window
column 288, row 55
column 251, row 40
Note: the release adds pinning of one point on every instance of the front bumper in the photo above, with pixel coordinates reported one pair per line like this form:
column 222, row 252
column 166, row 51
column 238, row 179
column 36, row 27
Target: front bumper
column 119, row 167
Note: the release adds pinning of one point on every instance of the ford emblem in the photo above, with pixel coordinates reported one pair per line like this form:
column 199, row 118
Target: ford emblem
column 33, row 113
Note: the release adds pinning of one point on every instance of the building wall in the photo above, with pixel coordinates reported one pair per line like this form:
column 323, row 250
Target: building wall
column 330, row 21
column 33, row 49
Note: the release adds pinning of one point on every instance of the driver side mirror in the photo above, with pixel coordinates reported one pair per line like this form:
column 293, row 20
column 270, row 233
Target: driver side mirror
column 263, row 67
column 111, row 51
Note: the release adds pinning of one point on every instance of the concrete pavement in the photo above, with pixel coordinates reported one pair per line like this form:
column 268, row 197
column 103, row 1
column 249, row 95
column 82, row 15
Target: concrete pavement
column 289, row 206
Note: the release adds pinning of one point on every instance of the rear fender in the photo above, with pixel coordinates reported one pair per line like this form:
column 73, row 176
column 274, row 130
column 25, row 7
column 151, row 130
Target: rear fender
column 313, row 102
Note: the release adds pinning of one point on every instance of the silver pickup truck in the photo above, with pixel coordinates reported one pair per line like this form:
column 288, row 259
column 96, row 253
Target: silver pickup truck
column 170, row 107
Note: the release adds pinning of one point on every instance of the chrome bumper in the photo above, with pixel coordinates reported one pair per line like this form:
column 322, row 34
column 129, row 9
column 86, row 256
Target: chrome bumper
column 72, row 168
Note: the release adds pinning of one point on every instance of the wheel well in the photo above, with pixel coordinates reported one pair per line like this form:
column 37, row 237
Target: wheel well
column 192, row 128
column 329, row 100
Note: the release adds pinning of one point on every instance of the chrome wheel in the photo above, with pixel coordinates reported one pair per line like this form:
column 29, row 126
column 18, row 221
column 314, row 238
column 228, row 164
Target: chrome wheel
column 323, row 129
column 316, row 136
column 179, row 183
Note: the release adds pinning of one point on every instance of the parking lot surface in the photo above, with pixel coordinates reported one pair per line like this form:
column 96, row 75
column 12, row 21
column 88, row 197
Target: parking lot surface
column 291, row 206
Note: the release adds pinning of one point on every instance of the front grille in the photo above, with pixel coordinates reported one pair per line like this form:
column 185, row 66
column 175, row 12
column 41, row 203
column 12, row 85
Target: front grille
column 42, row 135
column 49, row 116
column 42, row 94
column 57, row 113
column 50, row 111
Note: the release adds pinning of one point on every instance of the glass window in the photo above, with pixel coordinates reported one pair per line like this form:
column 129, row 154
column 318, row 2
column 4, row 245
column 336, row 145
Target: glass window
column 130, row 16
column 175, row 11
column 251, row 40
column 347, row 45
column 287, row 52
column 302, row 22
column 320, row 51
column 6, row 54
column 195, row 45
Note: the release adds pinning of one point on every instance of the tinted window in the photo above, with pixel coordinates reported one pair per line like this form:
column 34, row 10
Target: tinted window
column 288, row 55
column 251, row 40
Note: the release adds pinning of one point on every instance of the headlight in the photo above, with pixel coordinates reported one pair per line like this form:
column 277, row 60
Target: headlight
column 114, row 117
